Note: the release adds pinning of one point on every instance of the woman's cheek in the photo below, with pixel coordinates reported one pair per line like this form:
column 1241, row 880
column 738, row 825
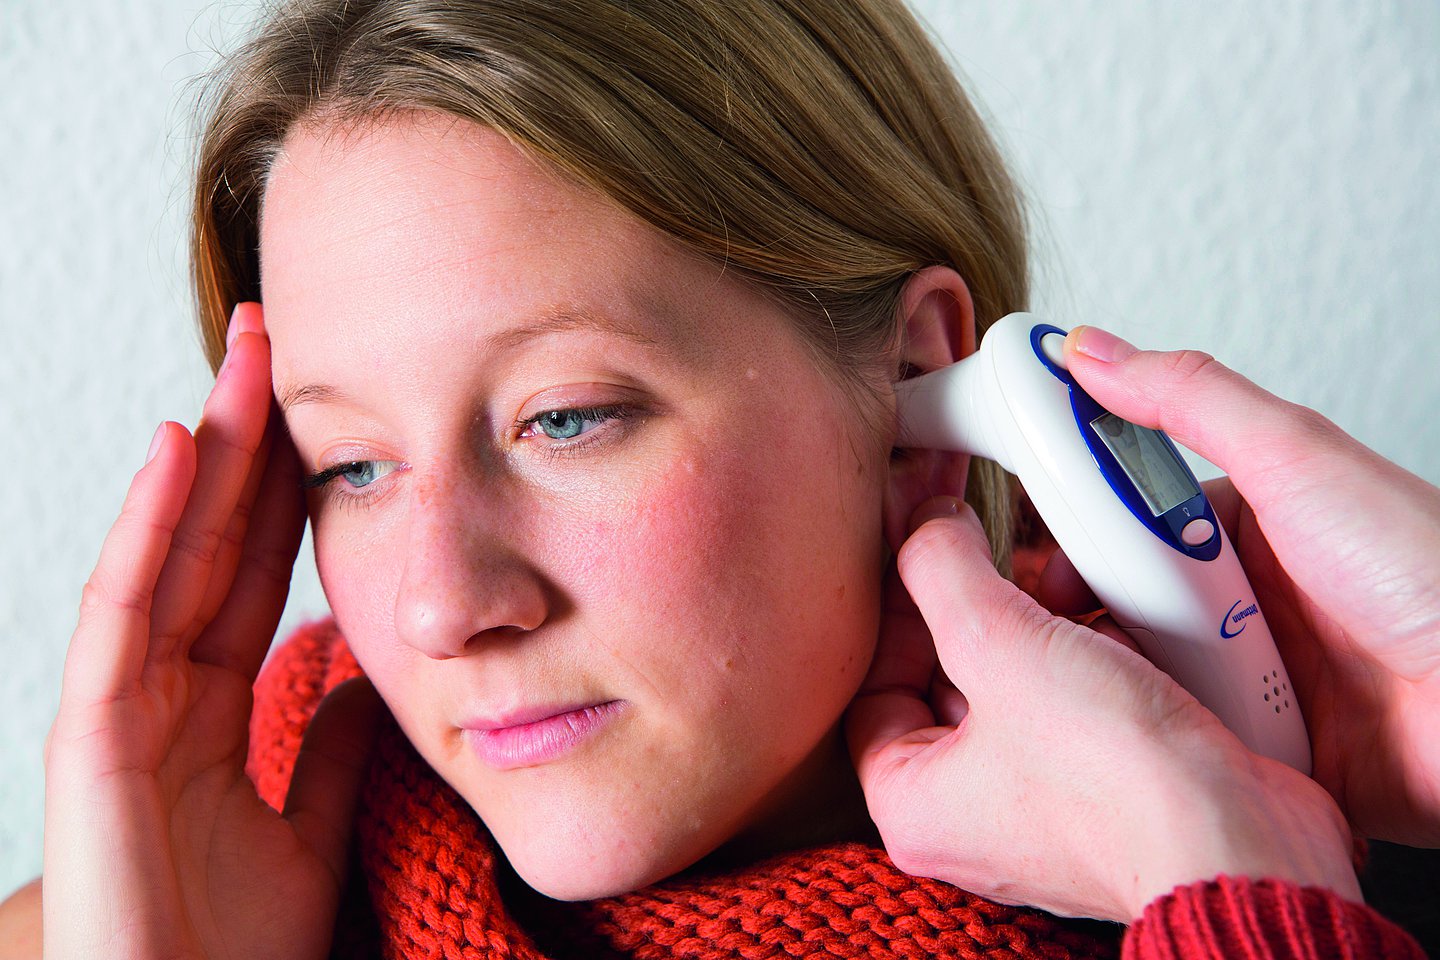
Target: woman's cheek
column 719, row 555
column 360, row 571
column 666, row 549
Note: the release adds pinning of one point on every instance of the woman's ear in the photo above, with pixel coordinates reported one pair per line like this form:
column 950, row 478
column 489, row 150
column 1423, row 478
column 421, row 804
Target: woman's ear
column 937, row 324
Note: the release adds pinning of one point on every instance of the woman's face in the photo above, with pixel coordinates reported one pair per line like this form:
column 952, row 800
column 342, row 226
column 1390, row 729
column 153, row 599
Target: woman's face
column 601, row 531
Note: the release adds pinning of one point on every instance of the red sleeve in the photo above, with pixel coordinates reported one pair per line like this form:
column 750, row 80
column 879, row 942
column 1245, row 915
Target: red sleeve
column 1260, row 920
column 310, row 663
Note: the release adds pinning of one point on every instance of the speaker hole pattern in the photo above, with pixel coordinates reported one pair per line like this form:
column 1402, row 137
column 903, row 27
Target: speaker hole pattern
column 1277, row 691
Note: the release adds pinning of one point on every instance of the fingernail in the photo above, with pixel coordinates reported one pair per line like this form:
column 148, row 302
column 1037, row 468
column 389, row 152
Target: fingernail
column 1101, row 345
column 233, row 330
column 155, row 444
column 932, row 509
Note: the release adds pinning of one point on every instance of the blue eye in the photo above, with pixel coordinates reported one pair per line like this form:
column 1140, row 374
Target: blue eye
column 357, row 474
column 564, row 424
column 365, row 472
column 573, row 422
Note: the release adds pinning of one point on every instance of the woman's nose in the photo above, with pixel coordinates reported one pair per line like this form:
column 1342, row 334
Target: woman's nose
column 465, row 581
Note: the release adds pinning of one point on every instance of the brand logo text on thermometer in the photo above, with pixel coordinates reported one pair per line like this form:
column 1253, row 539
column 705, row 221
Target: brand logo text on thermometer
column 1234, row 617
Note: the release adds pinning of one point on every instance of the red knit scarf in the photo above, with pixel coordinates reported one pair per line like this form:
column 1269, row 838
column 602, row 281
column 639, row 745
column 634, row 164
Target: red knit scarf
column 434, row 879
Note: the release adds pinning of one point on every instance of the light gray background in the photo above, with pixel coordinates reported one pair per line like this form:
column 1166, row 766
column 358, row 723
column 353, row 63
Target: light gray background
column 1256, row 180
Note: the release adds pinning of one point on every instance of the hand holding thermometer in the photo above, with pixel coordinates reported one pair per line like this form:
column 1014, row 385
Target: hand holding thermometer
column 1128, row 513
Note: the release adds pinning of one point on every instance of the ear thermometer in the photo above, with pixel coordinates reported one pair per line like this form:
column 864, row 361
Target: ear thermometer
column 1128, row 513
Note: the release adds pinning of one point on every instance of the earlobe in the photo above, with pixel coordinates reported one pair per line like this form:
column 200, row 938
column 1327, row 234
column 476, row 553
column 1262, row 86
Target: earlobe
column 936, row 317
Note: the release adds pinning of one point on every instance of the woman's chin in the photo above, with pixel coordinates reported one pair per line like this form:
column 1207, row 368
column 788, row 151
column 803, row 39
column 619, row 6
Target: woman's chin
column 565, row 876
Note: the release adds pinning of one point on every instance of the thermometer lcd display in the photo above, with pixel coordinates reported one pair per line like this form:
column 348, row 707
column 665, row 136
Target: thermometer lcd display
column 1149, row 462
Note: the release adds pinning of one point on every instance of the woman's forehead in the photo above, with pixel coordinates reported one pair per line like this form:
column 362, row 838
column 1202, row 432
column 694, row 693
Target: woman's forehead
column 435, row 227
column 420, row 216
column 411, row 193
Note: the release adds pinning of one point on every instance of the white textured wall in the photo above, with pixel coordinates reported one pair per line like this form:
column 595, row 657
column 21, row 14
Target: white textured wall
column 1258, row 180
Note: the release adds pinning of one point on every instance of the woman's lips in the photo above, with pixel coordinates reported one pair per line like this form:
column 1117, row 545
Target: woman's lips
column 522, row 741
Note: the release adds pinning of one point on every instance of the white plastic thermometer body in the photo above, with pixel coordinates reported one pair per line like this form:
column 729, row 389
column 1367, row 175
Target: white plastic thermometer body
column 1128, row 513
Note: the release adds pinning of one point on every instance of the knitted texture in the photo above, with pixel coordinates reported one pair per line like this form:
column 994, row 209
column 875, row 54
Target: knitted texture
column 429, row 882
column 1263, row 920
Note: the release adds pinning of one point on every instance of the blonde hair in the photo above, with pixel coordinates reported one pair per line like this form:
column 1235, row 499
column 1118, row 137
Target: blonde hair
column 821, row 147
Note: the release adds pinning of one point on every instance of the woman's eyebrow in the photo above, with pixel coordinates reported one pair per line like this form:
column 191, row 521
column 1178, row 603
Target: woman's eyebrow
column 293, row 395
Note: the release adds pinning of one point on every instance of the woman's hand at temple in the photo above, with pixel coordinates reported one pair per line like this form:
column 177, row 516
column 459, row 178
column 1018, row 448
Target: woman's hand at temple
column 156, row 842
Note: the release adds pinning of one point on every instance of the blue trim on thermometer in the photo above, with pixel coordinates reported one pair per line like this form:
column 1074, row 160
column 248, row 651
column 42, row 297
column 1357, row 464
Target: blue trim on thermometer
column 1168, row 525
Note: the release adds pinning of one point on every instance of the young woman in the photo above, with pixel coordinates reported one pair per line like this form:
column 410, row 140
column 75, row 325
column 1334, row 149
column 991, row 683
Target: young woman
column 580, row 321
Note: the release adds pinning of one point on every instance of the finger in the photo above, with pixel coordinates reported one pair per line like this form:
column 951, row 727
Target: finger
column 1062, row 590
column 1227, row 503
column 245, row 625
column 232, row 541
column 946, row 701
column 107, row 651
column 1353, row 531
column 972, row 611
column 227, row 440
column 1106, row 626
column 245, row 319
column 880, row 727
column 329, row 768
column 1264, row 443
column 1064, row 593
